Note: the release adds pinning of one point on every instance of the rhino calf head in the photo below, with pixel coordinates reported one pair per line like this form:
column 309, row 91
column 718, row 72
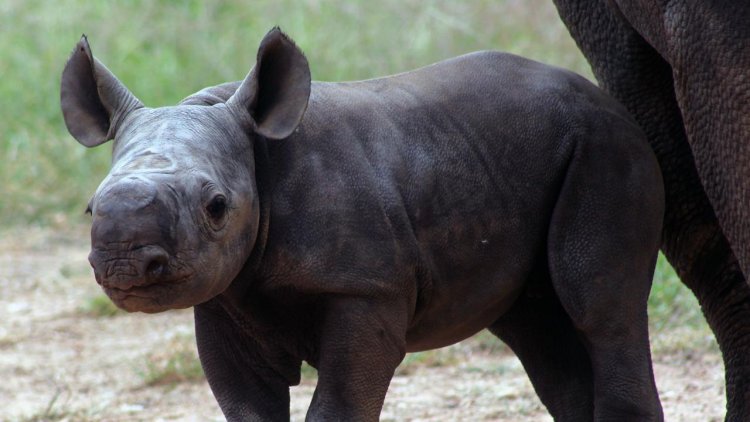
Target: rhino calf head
column 177, row 217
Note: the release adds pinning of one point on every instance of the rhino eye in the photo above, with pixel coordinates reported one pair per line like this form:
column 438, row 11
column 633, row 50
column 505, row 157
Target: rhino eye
column 217, row 208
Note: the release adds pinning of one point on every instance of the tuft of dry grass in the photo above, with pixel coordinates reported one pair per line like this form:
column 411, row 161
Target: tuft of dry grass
column 175, row 363
column 99, row 306
column 57, row 410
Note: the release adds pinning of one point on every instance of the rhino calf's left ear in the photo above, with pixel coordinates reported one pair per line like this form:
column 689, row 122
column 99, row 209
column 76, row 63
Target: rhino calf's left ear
column 276, row 91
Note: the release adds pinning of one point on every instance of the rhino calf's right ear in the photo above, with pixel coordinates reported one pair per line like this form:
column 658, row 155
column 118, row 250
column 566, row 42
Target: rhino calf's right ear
column 92, row 99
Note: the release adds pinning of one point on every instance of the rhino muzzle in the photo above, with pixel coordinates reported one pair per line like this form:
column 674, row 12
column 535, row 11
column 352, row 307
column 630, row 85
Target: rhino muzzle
column 131, row 235
column 125, row 269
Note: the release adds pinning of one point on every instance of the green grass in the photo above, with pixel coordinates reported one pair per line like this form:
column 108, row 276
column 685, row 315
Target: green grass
column 308, row 373
column 164, row 50
column 676, row 322
column 671, row 304
column 437, row 358
column 669, row 299
column 175, row 363
column 99, row 306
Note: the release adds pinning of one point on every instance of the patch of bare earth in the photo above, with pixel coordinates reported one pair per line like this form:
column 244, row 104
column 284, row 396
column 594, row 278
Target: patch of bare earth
column 61, row 361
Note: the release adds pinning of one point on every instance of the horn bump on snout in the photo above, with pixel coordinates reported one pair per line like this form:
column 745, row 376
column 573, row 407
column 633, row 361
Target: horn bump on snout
column 126, row 198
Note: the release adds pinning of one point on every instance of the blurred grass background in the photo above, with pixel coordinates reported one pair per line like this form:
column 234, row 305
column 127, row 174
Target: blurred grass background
column 163, row 50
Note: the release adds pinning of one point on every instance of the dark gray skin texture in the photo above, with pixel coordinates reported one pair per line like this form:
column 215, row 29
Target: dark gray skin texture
column 681, row 68
column 346, row 224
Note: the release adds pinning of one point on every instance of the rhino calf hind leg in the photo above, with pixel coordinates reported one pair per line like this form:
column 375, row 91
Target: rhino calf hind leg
column 602, row 246
column 543, row 338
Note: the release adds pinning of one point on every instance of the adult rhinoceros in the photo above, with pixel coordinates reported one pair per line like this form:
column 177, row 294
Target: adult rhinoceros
column 682, row 68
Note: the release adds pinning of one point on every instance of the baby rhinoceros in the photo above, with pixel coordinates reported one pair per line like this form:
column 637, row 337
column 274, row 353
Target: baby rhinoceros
column 346, row 224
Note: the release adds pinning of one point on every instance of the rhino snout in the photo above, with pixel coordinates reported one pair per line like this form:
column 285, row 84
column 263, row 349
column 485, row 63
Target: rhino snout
column 124, row 270
column 134, row 221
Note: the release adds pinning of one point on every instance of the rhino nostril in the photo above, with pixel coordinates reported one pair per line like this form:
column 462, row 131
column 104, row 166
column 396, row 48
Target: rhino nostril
column 154, row 268
column 156, row 264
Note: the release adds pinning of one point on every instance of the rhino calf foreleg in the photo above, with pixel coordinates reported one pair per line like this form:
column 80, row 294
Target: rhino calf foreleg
column 359, row 348
column 245, row 384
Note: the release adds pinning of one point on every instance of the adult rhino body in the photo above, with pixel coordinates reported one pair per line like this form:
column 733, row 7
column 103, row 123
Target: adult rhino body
column 346, row 224
column 681, row 68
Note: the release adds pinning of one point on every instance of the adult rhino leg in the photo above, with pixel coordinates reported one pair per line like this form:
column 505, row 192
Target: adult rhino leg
column 628, row 68
column 707, row 45
column 710, row 57
column 544, row 340
column 726, row 304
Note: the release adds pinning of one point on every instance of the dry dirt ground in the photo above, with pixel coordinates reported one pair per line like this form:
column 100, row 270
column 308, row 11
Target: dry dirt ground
column 59, row 360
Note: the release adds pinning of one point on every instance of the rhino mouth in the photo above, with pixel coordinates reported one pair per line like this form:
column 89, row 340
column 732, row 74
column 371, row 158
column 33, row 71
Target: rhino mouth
column 137, row 269
column 153, row 297
column 145, row 289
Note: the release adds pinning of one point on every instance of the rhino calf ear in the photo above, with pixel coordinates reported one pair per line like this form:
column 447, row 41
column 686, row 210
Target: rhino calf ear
column 93, row 101
column 276, row 91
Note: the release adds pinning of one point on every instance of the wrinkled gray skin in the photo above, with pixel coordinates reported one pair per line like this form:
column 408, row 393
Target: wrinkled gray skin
column 346, row 224
column 682, row 68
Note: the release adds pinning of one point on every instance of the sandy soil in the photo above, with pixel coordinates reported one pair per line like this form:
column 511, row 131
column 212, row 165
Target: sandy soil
column 59, row 363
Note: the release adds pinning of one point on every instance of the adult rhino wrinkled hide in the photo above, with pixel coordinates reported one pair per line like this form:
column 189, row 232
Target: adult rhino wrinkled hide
column 345, row 224
column 682, row 68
